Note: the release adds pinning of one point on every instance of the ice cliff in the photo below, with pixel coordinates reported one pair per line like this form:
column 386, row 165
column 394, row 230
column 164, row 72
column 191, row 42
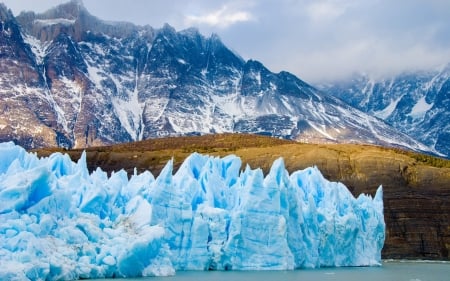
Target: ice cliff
column 59, row 222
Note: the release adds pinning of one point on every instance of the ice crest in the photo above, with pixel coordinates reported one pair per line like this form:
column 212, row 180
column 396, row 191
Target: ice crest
column 60, row 222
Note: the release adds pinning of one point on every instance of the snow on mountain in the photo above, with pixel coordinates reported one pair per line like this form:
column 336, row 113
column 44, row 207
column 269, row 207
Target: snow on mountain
column 420, row 109
column 93, row 82
column 417, row 103
column 58, row 222
column 38, row 48
column 60, row 21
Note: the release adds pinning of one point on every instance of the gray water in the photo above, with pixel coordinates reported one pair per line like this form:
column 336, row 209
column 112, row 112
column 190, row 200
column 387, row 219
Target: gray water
column 389, row 271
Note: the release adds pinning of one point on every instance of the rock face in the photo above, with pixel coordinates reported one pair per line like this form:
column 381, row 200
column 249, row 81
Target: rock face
column 416, row 103
column 22, row 100
column 85, row 82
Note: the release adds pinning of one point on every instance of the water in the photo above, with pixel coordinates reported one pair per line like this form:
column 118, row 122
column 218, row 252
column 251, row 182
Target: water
column 390, row 271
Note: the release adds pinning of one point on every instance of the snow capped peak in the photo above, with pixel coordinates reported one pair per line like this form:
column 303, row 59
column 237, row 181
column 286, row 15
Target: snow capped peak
column 77, row 2
column 255, row 65
column 191, row 32
column 214, row 37
column 5, row 13
column 168, row 29
column 70, row 10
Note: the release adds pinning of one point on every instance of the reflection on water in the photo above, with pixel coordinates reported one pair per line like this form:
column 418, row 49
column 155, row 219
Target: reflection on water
column 390, row 271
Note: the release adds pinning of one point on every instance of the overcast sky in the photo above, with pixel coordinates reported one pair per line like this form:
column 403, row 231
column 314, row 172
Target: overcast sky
column 316, row 40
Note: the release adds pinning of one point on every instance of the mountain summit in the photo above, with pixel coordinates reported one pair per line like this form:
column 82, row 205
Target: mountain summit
column 70, row 79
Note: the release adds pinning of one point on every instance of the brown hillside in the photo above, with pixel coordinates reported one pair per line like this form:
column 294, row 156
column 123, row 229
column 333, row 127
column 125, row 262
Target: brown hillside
column 416, row 187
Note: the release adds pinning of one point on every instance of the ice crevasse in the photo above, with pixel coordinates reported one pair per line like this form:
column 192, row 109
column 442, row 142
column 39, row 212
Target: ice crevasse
column 60, row 222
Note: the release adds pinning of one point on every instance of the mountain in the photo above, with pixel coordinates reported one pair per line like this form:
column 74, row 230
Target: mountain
column 416, row 103
column 70, row 79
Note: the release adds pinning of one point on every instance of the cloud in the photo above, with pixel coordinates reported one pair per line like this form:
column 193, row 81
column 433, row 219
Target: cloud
column 31, row 5
column 222, row 18
column 369, row 55
column 314, row 39
column 326, row 10
column 323, row 40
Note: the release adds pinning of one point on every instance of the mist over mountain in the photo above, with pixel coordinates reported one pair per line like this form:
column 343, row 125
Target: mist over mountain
column 70, row 79
column 416, row 103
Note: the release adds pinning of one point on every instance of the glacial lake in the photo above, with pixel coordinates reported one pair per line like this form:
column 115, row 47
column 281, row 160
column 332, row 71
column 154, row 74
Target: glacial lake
column 389, row 271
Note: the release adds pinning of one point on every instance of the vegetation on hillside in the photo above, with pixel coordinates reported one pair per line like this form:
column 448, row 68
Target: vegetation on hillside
column 256, row 150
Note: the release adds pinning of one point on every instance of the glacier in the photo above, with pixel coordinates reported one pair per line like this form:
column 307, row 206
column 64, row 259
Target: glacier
column 58, row 221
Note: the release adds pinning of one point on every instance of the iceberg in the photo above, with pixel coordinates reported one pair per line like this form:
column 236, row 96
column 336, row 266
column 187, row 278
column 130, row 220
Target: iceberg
column 60, row 222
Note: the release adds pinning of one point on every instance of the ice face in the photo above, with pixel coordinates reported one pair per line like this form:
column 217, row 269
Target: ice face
column 58, row 222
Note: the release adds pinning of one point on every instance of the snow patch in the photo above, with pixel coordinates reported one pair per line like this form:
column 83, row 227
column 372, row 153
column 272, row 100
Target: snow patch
column 420, row 108
column 38, row 48
column 387, row 111
column 129, row 113
column 258, row 78
column 321, row 130
column 95, row 76
column 61, row 21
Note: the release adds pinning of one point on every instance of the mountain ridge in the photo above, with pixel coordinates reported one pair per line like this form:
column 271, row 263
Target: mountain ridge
column 417, row 103
column 98, row 83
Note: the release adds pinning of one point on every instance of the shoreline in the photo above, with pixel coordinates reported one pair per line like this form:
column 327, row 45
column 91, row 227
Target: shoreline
column 414, row 261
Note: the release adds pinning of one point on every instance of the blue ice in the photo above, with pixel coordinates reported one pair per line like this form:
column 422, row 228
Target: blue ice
column 60, row 222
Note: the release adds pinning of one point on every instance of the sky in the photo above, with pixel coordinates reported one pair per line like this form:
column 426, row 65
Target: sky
column 317, row 40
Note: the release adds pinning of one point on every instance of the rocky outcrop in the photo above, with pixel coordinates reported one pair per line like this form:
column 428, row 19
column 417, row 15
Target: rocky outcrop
column 21, row 82
column 74, row 20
